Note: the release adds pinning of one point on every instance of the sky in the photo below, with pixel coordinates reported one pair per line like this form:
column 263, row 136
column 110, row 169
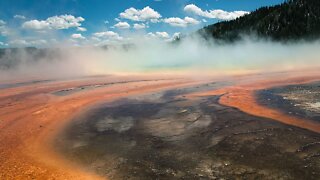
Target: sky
column 48, row 23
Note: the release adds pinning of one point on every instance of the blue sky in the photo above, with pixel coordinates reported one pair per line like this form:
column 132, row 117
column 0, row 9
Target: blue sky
column 80, row 22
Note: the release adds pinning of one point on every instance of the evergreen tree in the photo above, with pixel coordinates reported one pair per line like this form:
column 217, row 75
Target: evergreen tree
column 291, row 20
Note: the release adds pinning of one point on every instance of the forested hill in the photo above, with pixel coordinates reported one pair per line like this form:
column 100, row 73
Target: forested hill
column 291, row 20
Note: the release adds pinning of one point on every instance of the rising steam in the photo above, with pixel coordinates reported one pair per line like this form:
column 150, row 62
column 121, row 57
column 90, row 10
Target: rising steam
column 192, row 55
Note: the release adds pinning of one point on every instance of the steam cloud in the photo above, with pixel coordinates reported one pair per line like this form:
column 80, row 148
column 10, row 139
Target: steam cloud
column 192, row 55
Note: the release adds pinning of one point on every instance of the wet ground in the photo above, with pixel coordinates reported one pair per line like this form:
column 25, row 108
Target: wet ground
column 164, row 135
column 72, row 90
column 13, row 85
column 298, row 100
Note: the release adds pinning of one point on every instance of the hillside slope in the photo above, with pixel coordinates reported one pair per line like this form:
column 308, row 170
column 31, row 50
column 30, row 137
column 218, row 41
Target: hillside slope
column 291, row 20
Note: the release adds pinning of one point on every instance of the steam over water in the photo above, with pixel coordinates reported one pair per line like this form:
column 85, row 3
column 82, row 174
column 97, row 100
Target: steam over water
column 139, row 55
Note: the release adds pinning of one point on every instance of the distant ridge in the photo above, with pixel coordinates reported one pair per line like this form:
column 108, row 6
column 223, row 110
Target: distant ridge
column 291, row 20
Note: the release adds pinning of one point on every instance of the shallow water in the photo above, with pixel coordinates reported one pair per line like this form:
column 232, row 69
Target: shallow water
column 166, row 136
column 297, row 100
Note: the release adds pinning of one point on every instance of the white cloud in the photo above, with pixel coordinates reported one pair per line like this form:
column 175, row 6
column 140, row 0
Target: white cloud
column 108, row 35
column 151, row 35
column 144, row 14
column 3, row 44
column 22, row 42
column 2, row 22
column 178, row 22
column 82, row 29
column 17, row 16
column 3, row 29
column 139, row 26
column 154, row 20
column 35, row 24
column 77, row 36
column 122, row 25
column 163, row 35
column 214, row 14
column 39, row 42
column 105, row 34
column 54, row 22
column 18, row 42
